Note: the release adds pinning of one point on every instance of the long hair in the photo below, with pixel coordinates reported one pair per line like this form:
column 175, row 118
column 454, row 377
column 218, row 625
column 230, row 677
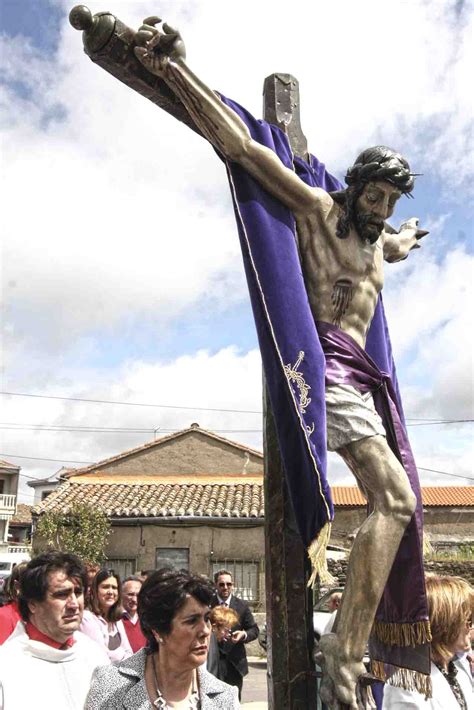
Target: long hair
column 376, row 163
column 116, row 611
column 450, row 604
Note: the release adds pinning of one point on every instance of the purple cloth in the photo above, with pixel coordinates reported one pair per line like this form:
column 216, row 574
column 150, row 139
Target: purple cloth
column 404, row 599
column 294, row 362
column 289, row 344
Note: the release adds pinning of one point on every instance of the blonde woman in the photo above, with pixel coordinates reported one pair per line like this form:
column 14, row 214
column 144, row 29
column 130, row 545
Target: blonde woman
column 450, row 604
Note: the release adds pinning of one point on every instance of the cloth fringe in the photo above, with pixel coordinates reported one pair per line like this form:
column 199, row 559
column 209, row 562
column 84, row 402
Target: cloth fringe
column 317, row 555
column 411, row 634
column 403, row 678
column 427, row 546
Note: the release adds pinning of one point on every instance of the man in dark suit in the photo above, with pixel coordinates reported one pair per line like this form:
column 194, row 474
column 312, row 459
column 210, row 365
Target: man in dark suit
column 236, row 658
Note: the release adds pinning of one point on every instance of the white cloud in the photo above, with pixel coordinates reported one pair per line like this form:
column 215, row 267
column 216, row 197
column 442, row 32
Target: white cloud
column 117, row 208
column 114, row 214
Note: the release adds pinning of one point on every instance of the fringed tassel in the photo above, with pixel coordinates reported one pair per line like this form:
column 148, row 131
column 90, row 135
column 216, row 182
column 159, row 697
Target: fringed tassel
column 317, row 555
column 427, row 546
column 412, row 634
column 378, row 670
column 403, row 678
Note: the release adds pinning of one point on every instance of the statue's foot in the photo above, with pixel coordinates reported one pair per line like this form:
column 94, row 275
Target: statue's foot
column 340, row 675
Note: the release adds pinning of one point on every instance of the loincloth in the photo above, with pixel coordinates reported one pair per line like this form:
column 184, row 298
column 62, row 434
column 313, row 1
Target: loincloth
column 350, row 416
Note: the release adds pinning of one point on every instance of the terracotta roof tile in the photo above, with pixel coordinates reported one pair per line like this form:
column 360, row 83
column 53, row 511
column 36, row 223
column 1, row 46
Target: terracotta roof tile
column 158, row 499
column 448, row 495
column 347, row 495
column 436, row 496
column 22, row 515
column 229, row 498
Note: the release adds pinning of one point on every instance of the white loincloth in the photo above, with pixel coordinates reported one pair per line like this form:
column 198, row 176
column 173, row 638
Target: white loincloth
column 350, row 416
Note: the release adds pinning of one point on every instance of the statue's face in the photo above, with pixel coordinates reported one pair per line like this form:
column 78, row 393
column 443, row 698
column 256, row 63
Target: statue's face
column 373, row 207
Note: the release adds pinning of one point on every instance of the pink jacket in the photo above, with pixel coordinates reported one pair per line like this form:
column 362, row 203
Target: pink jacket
column 97, row 629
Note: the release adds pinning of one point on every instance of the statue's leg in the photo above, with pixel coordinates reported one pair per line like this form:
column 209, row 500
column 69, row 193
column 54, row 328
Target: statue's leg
column 382, row 476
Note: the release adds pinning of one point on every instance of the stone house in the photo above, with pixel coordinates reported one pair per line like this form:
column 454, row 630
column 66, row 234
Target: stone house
column 194, row 499
column 9, row 476
column 20, row 527
column 44, row 486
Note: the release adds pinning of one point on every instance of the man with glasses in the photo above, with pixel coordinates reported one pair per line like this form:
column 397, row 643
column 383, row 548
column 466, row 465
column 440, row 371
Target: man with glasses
column 236, row 660
column 47, row 662
column 130, row 590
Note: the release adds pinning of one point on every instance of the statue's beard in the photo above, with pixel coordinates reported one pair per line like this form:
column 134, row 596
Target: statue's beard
column 369, row 227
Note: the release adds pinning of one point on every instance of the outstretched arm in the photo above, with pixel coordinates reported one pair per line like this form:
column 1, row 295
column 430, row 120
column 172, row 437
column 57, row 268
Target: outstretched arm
column 163, row 54
column 397, row 245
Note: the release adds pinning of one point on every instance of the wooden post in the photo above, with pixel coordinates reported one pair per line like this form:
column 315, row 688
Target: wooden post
column 290, row 636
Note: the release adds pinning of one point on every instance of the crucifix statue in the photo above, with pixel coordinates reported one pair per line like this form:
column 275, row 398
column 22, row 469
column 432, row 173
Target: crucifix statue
column 314, row 256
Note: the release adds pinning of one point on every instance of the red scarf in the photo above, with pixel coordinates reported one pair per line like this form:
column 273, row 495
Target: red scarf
column 37, row 635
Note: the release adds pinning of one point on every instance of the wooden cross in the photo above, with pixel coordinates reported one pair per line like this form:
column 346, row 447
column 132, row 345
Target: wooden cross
column 291, row 672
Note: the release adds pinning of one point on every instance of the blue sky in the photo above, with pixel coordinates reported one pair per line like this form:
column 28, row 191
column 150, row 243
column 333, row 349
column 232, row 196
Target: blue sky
column 121, row 273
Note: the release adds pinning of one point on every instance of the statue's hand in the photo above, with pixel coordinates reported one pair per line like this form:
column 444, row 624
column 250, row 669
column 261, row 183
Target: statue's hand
column 156, row 46
column 410, row 233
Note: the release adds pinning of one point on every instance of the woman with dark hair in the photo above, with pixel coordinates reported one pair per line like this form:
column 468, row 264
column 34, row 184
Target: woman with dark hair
column 102, row 622
column 450, row 607
column 170, row 672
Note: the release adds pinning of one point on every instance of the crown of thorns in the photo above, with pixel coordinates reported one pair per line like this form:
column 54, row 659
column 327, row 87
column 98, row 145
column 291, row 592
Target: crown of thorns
column 392, row 168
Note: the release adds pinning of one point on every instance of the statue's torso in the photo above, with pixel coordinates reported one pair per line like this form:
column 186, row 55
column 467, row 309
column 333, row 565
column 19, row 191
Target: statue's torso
column 343, row 276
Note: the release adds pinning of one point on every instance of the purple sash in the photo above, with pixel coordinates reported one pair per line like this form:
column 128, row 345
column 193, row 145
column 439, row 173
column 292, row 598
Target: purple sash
column 403, row 609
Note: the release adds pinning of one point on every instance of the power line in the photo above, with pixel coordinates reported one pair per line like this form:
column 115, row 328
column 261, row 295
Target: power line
column 445, row 473
column 13, row 426
column 442, row 421
column 422, row 420
column 130, row 404
column 124, row 430
column 41, row 458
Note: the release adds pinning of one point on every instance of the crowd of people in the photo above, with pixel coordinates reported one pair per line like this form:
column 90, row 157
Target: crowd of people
column 75, row 636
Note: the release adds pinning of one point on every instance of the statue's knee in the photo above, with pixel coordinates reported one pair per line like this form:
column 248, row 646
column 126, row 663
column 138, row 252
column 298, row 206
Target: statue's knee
column 403, row 505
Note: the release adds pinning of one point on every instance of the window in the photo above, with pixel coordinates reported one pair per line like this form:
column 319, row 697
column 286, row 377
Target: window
column 124, row 566
column 245, row 575
column 174, row 557
column 45, row 494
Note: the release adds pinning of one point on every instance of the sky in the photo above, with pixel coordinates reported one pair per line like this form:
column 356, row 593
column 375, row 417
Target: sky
column 121, row 276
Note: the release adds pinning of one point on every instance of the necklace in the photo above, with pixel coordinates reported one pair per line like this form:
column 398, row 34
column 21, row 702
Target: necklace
column 161, row 704
column 450, row 674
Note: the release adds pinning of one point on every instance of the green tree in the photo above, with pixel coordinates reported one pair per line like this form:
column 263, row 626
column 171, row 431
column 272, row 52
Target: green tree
column 83, row 531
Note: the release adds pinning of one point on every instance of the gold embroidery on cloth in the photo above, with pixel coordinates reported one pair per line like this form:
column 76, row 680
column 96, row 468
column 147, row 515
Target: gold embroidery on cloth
column 294, row 376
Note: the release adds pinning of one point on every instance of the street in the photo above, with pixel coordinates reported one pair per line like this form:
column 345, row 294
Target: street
column 254, row 693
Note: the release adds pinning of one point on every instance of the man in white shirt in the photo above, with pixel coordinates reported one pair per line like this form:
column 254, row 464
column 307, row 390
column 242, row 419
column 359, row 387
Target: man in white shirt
column 47, row 663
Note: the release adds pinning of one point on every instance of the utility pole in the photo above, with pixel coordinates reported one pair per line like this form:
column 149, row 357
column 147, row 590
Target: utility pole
column 290, row 635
